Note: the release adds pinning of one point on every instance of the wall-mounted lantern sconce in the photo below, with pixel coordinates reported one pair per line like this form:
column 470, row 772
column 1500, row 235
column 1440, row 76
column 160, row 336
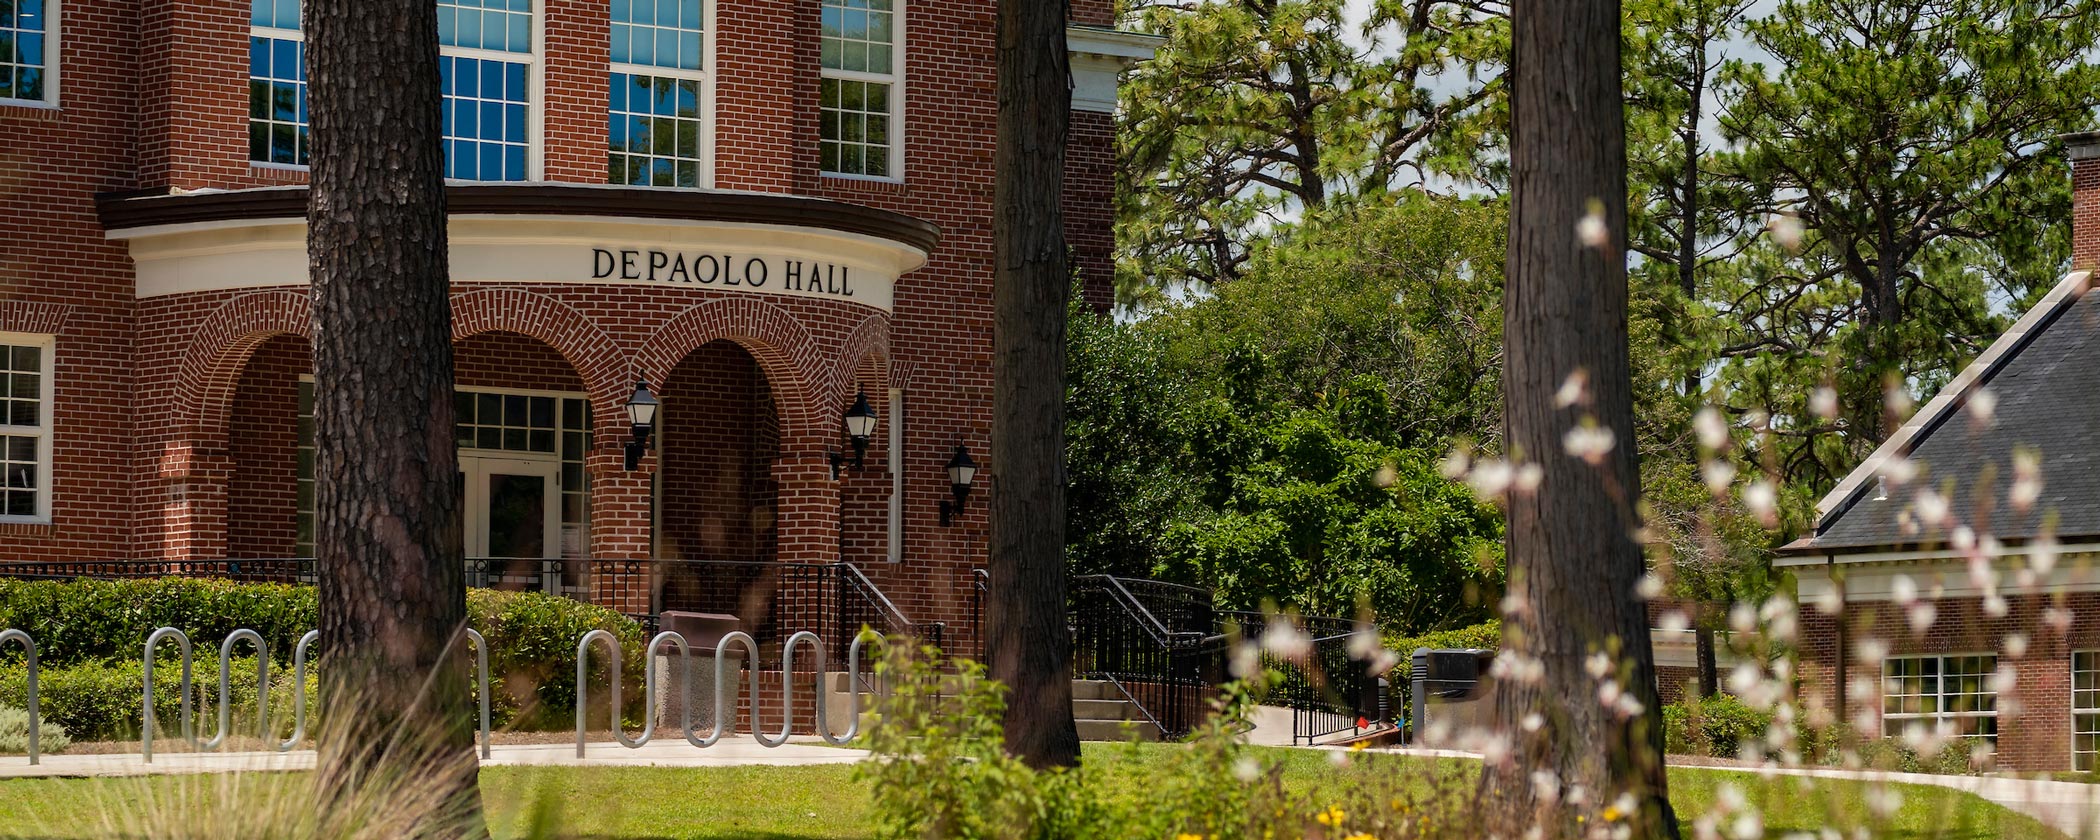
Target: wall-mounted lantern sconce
column 641, row 416
column 860, row 426
column 962, row 472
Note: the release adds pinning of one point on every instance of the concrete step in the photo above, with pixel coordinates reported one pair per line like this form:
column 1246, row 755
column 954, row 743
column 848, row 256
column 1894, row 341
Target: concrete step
column 1116, row 730
column 1095, row 690
column 1104, row 710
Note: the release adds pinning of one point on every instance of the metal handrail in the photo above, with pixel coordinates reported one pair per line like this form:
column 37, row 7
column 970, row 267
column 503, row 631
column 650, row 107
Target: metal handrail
column 1148, row 622
column 35, row 722
column 481, row 663
column 182, row 642
column 1136, row 704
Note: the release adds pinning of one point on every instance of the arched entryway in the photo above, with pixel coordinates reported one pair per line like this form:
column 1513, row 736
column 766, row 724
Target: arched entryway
column 719, row 437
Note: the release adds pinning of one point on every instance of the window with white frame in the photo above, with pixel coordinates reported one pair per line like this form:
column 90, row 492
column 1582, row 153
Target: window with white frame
column 858, row 96
column 656, row 113
column 486, row 61
column 29, row 51
column 25, row 427
column 2085, row 710
column 1947, row 694
column 276, row 83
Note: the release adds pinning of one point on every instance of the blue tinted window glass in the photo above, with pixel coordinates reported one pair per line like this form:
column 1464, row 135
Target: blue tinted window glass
column 662, row 33
column 487, row 112
column 277, row 112
column 653, row 131
column 487, row 25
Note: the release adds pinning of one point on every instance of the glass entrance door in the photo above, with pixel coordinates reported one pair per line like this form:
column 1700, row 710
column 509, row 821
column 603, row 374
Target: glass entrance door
column 513, row 520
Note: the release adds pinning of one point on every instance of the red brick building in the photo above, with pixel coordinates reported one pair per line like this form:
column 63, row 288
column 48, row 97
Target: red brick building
column 1951, row 581
column 762, row 209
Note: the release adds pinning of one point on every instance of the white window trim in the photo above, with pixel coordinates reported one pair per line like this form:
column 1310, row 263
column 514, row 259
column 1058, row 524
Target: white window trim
column 278, row 34
column 705, row 76
column 45, row 434
column 54, row 18
column 2075, row 709
column 1935, row 717
column 895, row 79
column 535, row 62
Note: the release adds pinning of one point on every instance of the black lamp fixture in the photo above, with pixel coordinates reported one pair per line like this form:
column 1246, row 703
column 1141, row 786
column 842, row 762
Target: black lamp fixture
column 962, row 472
column 860, row 426
column 641, row 417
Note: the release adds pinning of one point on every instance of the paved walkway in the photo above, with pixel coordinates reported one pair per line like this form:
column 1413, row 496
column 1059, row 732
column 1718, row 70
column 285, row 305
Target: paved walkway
column 2070, row 807
column 658, row 753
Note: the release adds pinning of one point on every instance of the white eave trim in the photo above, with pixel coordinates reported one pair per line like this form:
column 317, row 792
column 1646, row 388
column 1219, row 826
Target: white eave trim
column 1131, row 47
column 1956, row 392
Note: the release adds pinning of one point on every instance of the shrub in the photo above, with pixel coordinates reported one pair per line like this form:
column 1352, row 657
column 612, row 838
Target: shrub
column 103, row 701
column 1717, row 726
column 1486, row 635
column 14, row 733
column 87, row 620
column 90, row 634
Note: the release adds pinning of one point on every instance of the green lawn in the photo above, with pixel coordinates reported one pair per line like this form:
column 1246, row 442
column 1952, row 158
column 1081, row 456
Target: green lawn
column 825, row 801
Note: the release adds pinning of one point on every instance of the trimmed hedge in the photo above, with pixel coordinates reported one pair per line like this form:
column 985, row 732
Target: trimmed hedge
column 1486, row 635
column 90, row 634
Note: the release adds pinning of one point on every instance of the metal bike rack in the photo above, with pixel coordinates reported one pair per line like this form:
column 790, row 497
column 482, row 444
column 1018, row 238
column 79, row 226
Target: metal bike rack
column 35, row 723
column 189, row 734
column 481, row 667
column 262, row 687
column 306, row 642
column 725, row 688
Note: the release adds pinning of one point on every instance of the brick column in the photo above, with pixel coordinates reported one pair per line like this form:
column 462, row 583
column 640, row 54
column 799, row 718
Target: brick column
column 2084, row 151
column 621, row 524
column 194, row 484
column 808, row 507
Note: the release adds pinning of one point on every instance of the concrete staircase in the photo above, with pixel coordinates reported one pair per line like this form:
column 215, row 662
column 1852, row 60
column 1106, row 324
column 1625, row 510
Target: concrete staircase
column 1104, row 714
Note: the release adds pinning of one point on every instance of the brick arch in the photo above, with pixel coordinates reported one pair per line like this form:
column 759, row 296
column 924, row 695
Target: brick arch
column 783, row 347
column 871, row 337
column 594, row 355
column 215, row 356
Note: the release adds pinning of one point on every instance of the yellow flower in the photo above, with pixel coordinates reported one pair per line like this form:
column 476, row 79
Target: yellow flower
column 1359, row 746
column 1611, row 813
column 1359, row 836
column 1332, row 817
column 1186, row 836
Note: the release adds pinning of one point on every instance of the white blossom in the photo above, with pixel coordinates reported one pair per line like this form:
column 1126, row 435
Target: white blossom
column 1824, row 402
column 1712, row 428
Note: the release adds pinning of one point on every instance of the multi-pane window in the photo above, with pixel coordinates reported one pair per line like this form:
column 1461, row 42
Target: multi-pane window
column 533, row 424
column 1948, row 694
column 655, row 130
column 2085, row 710
column 276, row 83
column 486, row 63
column 857, row 96
column 28, row 50
column 25, row 427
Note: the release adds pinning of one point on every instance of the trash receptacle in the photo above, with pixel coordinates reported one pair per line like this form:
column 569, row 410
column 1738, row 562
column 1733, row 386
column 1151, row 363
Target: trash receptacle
column 1450, row 687
column 702, row 631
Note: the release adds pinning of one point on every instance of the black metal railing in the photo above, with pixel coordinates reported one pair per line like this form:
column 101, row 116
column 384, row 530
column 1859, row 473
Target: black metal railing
column 980, row 592
column 770, row 599
column 1328, row 689
column 1149, row 646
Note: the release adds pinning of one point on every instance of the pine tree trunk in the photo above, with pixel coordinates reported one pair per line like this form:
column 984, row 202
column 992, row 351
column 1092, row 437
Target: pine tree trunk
column 1028, row 641
column 387, row 527
column 1573, row 561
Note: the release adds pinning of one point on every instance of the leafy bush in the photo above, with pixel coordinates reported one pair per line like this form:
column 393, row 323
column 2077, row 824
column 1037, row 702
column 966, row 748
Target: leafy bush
column 103, row 701
column 1486, row 635
column 90, row 634
column 1717, row 726
column 14, row 733
column 87, row 620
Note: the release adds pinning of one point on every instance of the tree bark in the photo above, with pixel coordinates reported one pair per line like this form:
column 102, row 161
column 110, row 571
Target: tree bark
column 1027, row 638
column 387, row 526
column 1574, row 563
column 1709, row 669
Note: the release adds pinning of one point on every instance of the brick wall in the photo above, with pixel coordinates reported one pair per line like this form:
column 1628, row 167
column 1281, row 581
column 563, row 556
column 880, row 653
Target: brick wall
column 262, row 499
column 2085, row 202
column 2034, row 720
column 155, row 95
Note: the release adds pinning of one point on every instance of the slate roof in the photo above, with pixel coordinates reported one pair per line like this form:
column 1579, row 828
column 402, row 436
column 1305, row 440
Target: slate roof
column 2045, row 375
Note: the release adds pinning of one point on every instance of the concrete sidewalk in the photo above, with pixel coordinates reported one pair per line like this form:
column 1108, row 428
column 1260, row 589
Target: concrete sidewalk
column 658, row 753
column 2070, row 807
